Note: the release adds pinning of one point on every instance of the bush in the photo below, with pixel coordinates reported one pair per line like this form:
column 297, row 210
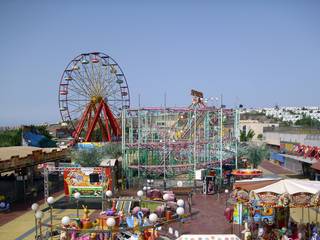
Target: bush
column 10, row 138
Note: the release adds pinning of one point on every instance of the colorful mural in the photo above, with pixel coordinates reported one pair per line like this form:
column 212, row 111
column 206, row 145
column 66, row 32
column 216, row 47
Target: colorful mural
column 78, row 180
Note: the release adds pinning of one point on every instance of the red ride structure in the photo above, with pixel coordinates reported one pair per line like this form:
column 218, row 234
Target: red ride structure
column 92, row 93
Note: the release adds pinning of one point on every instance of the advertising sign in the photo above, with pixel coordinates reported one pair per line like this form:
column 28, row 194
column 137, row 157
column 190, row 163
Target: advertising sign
column 87, row 181
column 86, row 191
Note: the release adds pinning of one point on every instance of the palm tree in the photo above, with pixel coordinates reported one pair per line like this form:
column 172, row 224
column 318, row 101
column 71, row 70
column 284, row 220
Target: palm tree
column 256, row 154
column 246, row 137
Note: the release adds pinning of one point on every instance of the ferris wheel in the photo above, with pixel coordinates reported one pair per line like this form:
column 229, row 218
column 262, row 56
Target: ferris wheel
column 93, row 91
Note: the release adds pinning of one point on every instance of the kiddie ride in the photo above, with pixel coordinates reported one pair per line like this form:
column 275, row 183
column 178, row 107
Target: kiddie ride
column 246, row 173
column 138, row 223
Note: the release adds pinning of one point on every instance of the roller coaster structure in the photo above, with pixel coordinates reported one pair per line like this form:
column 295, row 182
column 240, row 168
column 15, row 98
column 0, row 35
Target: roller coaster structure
column 168, row 141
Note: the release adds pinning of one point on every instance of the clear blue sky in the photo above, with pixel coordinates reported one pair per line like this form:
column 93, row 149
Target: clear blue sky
column 259, row 52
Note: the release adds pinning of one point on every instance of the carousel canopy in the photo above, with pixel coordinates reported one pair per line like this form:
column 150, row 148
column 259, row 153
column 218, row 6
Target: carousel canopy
column 291, row 186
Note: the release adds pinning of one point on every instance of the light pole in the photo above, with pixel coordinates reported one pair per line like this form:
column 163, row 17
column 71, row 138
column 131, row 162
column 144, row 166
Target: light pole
column 180, row 212
column 77, row 196
column 164, row 141
column 39, row 215
column 236, row 127
column 111, row 222
column 195, row 144
column 35, row 208
column 165, row 198
column 65, row 221
column 145, row 189
column 50, row 201
column 109, row 195
column 140, row 194
column 226, row 191
column 153, row 218
column 221, row 125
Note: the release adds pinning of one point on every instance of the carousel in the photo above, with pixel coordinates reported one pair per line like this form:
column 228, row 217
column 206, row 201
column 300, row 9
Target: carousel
column 282, row 209
column 125, row 218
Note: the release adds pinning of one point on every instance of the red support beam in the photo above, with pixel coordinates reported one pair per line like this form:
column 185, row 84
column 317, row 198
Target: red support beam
column 107, row 124
column 104, row 137
column 113, row 122
column 79, row 128
column 95, row 119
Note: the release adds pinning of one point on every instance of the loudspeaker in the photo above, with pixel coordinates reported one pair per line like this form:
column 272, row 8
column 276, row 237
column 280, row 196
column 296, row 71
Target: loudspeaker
column 94, row 177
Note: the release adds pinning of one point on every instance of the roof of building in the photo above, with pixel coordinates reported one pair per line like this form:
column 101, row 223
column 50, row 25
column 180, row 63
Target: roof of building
column 316, row 165
column 21, row 151
column 299, row 158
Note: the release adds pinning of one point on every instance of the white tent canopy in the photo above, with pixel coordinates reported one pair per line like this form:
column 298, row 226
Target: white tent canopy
column 291, row 186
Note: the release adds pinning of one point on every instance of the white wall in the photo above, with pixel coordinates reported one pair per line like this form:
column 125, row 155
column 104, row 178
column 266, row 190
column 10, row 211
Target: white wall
column 272, row 138
column 256, row 126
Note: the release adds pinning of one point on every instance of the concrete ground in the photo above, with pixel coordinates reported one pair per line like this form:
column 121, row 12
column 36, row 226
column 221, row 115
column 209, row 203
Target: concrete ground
column 23, row 226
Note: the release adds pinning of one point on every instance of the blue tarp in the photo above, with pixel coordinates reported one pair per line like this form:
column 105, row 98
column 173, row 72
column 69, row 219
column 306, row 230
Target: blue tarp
column 33, row 139
column 277, row 156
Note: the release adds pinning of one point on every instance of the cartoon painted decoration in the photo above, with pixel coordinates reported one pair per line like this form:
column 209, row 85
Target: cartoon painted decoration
column 262, row 214
column 242, row 196
column 86, row 222
column 315, row 200
column 284, row 200
column 267, row 215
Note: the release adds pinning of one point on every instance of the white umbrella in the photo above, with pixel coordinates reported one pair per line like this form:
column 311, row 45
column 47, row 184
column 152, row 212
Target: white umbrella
column 291, row 186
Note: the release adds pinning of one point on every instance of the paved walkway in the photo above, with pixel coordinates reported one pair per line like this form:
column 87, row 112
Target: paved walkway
column 23, row 226
column 207, row 217
column 275, row 169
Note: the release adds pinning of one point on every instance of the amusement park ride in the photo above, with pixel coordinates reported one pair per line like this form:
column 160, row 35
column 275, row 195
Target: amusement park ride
column 94, row 103
column 93, row 91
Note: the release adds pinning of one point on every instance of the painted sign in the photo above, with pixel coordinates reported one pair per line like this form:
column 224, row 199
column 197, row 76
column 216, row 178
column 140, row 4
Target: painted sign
column 78, row 179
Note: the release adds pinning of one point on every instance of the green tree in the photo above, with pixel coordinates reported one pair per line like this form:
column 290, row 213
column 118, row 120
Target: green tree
column 256, row 154
column 307, row 121
column 246, row 137
column 93, row 157
column 113, row 150
column 87, row 158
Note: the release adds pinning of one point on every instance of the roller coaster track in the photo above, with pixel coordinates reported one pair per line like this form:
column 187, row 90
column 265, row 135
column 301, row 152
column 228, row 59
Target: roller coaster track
column 177, row 168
